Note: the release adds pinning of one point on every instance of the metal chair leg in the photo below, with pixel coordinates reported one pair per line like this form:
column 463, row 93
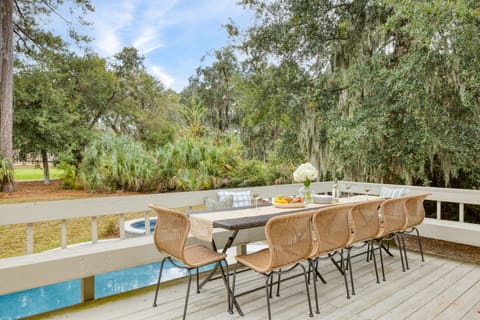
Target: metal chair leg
column 198, row 281
column 311, row 269
column 226, row 281
column 404, row 251
column 401, row 251
column 349, row 265
column 233, row 285
column 380, row 244
column 188, row 293
column 345, row 275
column 374, row 261
column 158, row 282
column 419, row 243
column 369, row 253
column 271, row 287
column 278, row 286
column 268, row 292
column 308, row 291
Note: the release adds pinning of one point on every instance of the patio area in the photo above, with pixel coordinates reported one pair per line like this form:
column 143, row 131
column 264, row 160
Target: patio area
column 438, row 288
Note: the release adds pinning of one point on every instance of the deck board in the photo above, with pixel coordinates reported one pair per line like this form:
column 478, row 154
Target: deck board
column 474, row 313
column 428, row 299
column 464, row 303
column 435, row 289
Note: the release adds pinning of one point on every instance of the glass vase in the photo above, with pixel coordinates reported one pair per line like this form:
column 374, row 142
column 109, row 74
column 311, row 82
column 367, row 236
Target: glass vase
column 306, row 194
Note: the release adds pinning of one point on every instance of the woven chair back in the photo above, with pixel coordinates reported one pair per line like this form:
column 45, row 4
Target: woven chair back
column 171, row 232
column 365, row 220
column 289, row 239
column 394, row 214
column 415, row 209
column 332, row 229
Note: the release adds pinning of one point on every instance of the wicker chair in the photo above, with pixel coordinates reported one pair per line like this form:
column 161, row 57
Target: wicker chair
column 289, row 240
column 170, row 236
column 415, row 216
column 332, row 233
column 394, row 221
column 366, row 227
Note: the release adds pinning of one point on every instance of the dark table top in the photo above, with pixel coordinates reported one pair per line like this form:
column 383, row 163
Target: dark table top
column 253, row 221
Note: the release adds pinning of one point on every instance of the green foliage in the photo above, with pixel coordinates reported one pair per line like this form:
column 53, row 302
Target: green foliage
column 193, row 114
column 198, row 163
column 252, row 173
column 213, row 87
column 69, row 176
column 7, row 174
column 366, row 90
column 30, row 37
column 114, row 163
column 43, row 116
column 390, row 89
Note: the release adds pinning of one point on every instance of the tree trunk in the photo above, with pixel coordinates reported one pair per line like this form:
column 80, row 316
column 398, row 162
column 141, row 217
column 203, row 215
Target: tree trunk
column 46, row 169
column 6, row 86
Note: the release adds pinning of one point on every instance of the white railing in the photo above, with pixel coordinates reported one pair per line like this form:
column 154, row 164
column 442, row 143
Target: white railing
column 85, row 261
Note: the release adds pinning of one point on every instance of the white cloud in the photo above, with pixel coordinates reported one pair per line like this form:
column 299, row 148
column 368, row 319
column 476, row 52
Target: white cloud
column 173, row 34
column 158, row 72
column 147, row 41
column 111, row 20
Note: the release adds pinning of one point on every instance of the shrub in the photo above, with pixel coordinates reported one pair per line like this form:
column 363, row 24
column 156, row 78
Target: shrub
column 117, row 163
column 7, row 174
column 197, row 163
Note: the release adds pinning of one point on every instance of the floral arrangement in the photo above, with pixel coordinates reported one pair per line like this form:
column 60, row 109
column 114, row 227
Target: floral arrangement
column 305, row 173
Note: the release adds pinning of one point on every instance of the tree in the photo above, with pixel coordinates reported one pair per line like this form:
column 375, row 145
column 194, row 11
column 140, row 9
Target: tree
column 142, row 107
column 29, row 38
column 392, row 90
column 213, row 87
column 45, row 117
column 6, row 89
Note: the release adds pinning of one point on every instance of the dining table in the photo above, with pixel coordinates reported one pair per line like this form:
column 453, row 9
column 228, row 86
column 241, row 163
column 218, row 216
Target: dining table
column 203, row 223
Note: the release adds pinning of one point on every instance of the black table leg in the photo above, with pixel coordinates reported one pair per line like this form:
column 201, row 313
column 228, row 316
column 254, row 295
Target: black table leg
column 227, row 246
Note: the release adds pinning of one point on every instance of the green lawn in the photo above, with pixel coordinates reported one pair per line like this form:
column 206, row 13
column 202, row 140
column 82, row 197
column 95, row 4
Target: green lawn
column 35, row 173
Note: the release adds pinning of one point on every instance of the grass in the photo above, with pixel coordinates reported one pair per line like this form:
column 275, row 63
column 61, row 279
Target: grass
column 36, row 173
column 47, row 234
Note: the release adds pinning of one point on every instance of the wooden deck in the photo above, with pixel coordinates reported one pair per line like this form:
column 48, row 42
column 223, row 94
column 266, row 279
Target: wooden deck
column 435, row 289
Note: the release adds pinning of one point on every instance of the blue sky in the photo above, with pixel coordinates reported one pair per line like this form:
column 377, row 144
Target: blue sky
column 172, row 35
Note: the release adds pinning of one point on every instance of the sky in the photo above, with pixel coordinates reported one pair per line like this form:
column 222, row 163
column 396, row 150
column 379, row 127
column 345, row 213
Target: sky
column 172, row 35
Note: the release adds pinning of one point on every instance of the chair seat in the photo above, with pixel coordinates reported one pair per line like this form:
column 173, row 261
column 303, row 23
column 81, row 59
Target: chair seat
column 199, row 255
column 258, row 261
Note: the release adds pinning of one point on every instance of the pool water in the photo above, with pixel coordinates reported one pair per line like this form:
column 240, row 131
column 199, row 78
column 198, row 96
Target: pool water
column 38, row 300
column 141, row 224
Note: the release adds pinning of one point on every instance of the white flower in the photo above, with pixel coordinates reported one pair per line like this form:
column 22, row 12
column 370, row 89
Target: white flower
column 306, row 172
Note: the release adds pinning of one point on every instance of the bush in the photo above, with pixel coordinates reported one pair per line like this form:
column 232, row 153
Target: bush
column 117, row 163
column 7, row 174
column 197, row 163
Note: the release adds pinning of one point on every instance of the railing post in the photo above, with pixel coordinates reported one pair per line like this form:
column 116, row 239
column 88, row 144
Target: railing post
column 94, row 230
column 461, row 211
column 121, row 225
column 29, row 238
column 88, row 289
column 63, row 233
column 147, row 223
column 439, row 210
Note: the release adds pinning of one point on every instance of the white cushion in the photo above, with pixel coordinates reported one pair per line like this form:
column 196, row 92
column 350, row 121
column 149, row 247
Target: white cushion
column 240, row 198
column 393, row 193
column 212, row 204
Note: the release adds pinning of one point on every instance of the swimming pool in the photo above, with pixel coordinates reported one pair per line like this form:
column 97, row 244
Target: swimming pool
column 136, row 227
column 38, row 300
